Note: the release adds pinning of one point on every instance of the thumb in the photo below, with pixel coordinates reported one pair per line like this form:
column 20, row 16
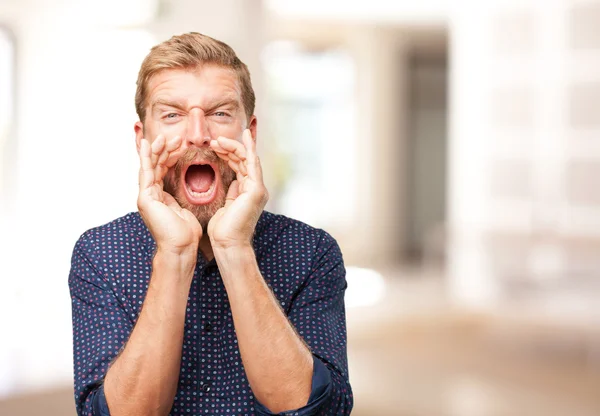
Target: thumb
column 232, row 194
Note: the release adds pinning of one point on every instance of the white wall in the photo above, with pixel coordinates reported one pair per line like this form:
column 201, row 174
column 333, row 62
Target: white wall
column 76, row 165
column 524, row 157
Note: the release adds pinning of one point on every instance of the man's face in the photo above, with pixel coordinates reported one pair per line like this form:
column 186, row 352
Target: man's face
column 198, row 105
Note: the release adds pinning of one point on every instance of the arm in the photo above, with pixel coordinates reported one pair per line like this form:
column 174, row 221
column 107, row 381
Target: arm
column 143, row 379
column 278, row 364
column 101, row 327
column 318, row 313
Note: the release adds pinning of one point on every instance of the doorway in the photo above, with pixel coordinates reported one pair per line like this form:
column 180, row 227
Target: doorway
column 427, row 149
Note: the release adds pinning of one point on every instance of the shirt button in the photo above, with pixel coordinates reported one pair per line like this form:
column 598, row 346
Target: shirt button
column 207, row 327
column 205, row 387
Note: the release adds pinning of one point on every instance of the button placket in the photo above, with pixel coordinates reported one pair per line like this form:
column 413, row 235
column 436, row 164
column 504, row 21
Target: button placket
column 204, row 346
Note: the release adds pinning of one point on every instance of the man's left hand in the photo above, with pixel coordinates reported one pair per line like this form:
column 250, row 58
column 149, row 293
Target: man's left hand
column 233, row 225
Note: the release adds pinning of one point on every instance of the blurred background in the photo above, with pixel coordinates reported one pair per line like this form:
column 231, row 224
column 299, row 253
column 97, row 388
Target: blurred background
column 451, row 147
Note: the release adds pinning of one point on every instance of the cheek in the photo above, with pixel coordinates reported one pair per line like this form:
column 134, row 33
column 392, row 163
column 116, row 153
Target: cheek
column 171, row 130
column 172, row 178
column 231, row 130
column 157, row 127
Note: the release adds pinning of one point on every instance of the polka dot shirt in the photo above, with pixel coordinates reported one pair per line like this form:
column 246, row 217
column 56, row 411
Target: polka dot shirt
column 109, row 277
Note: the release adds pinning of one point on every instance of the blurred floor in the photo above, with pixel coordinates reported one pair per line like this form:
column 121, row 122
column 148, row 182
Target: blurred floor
column 414, row 354
column 56, row 401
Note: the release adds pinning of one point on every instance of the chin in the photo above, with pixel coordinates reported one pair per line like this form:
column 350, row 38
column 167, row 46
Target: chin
column 203, row 212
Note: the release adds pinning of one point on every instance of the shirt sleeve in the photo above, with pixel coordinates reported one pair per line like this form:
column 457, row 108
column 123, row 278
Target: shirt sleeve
column 319, row 316
column 99, row 403
column 321, row 385
column 100, row 328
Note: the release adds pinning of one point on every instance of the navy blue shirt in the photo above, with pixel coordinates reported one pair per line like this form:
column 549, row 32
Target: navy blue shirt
column 110, row 272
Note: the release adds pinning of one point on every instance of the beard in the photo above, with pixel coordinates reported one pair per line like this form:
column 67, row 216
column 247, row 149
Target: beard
column 173, row 184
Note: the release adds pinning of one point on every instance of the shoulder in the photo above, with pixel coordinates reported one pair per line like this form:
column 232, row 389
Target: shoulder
column 275, row 226
column 128, row 230
column 279, row 232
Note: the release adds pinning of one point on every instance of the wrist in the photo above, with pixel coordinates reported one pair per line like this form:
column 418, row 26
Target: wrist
column 180, row 264
column 230, row 245
column 183, row 252
column 234, row 256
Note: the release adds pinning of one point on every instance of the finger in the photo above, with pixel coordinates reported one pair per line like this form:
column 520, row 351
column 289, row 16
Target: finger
column 223, row 157
column 173, row 144
column 243, row 167
column 157, row 147
column 233, row 156
column 253, row 163
column 161, row 165
column 219, row 149
column 232, row 146
column 176, row 150
column 232, row 194
column 235, row 166
column 242, row 184
column 146, row 170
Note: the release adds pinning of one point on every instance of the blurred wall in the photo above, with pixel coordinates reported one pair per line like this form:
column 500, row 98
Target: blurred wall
column 426, row 161
column 375, row 234
column 524, row 157
column 72, row 158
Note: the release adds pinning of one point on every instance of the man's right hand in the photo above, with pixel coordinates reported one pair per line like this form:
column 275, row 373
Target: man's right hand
column 143, row 379
column 175, row 230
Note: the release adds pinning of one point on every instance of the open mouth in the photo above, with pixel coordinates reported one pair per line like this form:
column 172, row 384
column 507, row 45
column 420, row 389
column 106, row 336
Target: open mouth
column 200, row 183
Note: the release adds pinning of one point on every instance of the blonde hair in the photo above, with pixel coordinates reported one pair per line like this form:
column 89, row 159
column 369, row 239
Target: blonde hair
column 188, row 51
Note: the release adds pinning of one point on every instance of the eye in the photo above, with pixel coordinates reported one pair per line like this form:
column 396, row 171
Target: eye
column 221, row 114
column 171, row 115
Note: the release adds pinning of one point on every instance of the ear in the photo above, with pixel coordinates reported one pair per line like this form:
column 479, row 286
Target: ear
column 252, row 127
column 138, row 127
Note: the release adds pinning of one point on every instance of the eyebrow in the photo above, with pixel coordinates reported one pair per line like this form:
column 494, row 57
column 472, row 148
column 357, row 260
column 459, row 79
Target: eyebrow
column 226, row 101
column 178, row 104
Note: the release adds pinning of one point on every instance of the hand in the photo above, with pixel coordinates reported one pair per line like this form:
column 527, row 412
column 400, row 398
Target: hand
column 175, row 230
column 233, row 225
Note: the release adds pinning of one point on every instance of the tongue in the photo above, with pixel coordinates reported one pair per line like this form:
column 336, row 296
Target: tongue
column 199, row 177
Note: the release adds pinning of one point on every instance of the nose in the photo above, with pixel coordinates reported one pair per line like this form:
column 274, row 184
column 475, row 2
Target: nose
column 197, row 133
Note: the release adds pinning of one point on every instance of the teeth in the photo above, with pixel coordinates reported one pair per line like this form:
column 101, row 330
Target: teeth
column 201, row 194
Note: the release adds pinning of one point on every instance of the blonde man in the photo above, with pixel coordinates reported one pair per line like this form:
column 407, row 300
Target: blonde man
column 202, row 302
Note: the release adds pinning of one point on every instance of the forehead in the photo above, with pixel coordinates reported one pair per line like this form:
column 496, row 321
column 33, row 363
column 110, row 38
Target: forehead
column 196, row 86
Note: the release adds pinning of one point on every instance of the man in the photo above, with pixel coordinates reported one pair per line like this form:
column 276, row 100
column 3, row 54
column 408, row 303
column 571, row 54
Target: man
column 204, row 303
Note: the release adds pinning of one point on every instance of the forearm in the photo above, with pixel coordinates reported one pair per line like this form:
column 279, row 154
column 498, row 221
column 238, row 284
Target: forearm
column 143, row 379
column 277, row 362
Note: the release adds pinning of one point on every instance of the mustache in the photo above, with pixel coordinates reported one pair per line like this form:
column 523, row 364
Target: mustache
column 191, row 154
column 204, row 154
